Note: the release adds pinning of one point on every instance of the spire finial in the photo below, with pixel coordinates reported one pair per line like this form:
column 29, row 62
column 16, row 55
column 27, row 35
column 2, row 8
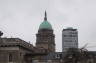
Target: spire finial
column 45, row 18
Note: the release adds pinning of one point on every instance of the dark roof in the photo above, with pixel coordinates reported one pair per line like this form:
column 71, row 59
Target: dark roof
column 8, row 42
column 54, row 56
column 61, row 55
column 92, row 52
column 69, row 29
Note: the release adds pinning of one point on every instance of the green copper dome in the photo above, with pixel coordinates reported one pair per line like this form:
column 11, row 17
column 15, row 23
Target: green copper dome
column 45, row 24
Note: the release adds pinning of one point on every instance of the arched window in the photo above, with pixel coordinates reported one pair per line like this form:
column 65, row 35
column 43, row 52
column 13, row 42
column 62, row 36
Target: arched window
column 10, row 57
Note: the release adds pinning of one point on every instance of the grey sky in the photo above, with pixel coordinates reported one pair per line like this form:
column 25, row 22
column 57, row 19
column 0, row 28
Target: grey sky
column 21, row 18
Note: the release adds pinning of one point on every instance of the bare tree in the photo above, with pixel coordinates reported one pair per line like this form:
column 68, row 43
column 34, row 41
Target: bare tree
column 75, row 55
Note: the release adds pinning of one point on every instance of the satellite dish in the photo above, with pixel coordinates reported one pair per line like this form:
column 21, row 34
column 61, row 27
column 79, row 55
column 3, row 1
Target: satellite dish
column 1, row 33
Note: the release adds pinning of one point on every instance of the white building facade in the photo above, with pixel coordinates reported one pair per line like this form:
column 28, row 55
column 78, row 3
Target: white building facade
column 69, row 39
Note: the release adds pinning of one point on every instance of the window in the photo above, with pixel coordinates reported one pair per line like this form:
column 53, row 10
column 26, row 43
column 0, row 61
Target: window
column 10, row 57
column 65, row 35
column 58, row 56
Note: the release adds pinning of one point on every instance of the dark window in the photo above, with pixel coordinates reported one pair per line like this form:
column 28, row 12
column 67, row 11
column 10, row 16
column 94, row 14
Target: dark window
column 65, row 35
column 90, row 62
column 58, row 56
column 10, row 57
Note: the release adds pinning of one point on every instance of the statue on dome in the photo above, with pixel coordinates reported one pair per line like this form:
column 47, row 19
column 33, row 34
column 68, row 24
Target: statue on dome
column 1, row 33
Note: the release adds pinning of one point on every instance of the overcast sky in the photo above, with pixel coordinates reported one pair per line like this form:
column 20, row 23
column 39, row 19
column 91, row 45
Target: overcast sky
column 21, row 18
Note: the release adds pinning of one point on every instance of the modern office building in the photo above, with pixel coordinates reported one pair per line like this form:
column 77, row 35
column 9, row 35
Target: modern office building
column 69, row 39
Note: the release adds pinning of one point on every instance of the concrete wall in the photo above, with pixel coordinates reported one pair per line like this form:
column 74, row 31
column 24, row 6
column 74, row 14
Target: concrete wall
column 69, row 39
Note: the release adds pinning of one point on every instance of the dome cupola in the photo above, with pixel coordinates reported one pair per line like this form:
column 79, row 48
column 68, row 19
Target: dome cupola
column 45, row 24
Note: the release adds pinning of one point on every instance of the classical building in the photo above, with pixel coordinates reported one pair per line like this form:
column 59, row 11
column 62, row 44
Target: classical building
column 69, row 39
column 45, row 37
column 15, row 50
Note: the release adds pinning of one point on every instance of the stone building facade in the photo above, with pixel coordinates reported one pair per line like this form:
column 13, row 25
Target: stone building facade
column 45, row 37
column 15, row 50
